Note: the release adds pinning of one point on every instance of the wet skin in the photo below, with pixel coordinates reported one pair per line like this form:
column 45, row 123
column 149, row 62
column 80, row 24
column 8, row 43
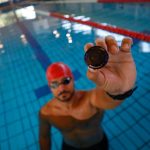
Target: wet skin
column 79, row 123
column 78, row 115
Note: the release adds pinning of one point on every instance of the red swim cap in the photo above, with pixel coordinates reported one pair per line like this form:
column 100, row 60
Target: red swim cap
column 57, row 70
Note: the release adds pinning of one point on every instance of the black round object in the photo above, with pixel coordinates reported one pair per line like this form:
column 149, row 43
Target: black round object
column 96, row 57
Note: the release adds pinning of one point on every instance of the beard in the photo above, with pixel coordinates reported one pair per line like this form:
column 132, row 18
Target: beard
column 65, row 96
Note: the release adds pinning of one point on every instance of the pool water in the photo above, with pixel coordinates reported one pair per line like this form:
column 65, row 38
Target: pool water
column 29, row 45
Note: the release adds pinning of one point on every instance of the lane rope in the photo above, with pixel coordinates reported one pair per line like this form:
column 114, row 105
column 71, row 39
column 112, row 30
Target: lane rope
column 122, row 31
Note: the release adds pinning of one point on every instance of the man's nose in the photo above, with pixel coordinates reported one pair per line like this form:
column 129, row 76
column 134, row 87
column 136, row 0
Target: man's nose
column 61, row 87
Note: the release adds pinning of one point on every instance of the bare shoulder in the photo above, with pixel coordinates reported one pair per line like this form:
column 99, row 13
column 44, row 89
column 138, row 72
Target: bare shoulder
column 93, row 94
column 87, row 96
column 46, row 110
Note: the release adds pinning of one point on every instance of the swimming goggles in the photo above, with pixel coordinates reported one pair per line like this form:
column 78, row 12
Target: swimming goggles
column 55, row 84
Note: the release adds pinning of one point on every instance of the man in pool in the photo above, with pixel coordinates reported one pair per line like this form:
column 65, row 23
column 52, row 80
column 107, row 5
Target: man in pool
column 77, row 114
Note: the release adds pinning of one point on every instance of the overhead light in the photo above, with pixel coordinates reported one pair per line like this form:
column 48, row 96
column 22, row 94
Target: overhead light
column 1, row 46
column 55, row 32
column 68, row 34
column 57, row 35
column 145, row 47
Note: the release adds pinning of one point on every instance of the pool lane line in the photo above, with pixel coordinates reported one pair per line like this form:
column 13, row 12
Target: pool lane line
column 122, row 31
column 91, row 1
column 42, row 58
column 133, row 34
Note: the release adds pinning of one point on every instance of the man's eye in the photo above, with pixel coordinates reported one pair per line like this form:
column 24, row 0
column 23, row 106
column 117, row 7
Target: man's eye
column 66, row 81
column 54, row 85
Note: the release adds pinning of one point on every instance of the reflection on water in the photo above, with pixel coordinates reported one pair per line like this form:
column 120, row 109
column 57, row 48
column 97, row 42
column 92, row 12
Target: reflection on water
column 100, row 12
column 26, row 13
column 9, row 17
column 145, row 47
column 127, row 15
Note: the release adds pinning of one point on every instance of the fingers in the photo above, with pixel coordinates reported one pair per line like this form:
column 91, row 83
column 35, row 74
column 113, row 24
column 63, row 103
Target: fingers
column 87, row 46
column 112, row 45
column 96, row 76
column 109, row 43
column 126, row 44
column 101, row 42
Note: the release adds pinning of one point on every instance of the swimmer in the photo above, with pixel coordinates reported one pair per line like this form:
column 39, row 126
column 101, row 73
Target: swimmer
column 78, row 114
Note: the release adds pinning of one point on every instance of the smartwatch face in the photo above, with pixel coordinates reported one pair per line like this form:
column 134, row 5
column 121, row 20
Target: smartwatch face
column 96, row 57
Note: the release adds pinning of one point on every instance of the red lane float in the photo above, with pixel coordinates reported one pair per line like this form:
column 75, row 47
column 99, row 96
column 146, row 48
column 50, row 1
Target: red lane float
column 133, row 34
column 122, row 1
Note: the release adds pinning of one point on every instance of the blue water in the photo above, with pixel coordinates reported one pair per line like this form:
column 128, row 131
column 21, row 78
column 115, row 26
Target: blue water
column 29, row 46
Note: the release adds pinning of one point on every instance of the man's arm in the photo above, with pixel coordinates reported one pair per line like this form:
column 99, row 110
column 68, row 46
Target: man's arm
column 116, row 80
column 44, row 133
column 100, row 99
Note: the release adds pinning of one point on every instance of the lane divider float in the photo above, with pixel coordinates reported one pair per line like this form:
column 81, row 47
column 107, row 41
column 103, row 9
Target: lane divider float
column 114, row 29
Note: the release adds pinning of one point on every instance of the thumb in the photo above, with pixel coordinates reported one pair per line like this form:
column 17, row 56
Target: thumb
column 96, row 76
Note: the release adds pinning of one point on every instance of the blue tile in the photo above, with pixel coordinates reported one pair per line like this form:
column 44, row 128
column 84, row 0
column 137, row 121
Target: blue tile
column 145, row 101
column 23, row 111
column 3, row 133
column 122, row 124
column 140, row 109
column 34, row 147
column 43, row 101
column 36, row 106
column 26, row 124
column 134, row 137
column 15, row 128
column 42, row 91
column 9, row 95
column 29, row 137
column 17, row 91
column 142, row 132
column 4, row 145
column 36, row 132
column 128, row 144
column 12, row 115
column 9, row 105
column 29, row 109
column 116, row 145
column 2, row 120
column 127, row 118
column 111, row 113
column 108, row 132
column 145, row 147
column 17, row 142
column 32, row 95
column 57, row 138
column 20, row 100
column 40, row 54
column 115, row 130
column 8, row 86
column 145, row 123
column 105, row 119
column 54, row 130
column 77, row 74
column 118, row 109
column 34, row 119
column 135, row 111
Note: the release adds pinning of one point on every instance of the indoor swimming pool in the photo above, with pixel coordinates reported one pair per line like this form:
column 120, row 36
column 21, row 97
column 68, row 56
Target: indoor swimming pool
column 30, row 40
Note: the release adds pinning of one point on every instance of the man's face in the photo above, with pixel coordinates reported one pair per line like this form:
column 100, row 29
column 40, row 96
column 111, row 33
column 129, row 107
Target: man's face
column 62, row 88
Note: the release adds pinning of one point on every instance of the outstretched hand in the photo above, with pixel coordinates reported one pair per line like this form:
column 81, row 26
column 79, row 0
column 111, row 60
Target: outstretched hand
column 119, row 74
